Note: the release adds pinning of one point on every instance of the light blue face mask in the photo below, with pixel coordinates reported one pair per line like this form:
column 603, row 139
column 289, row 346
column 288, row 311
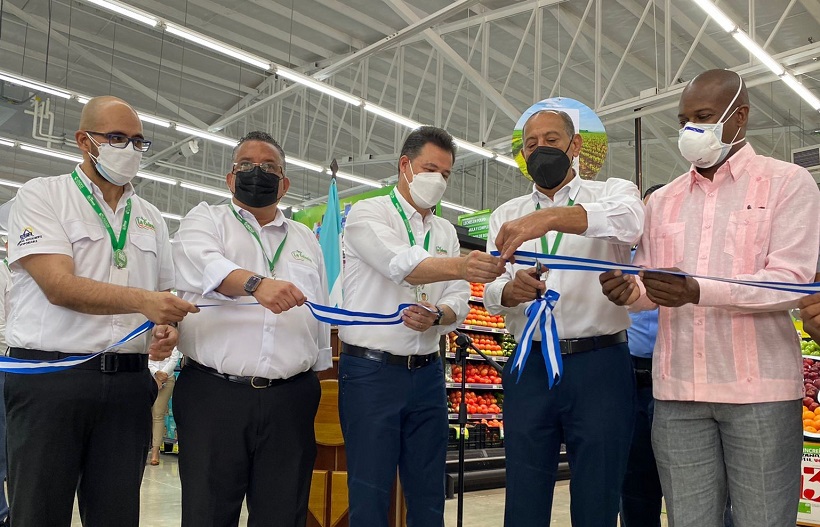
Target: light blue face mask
column 702, row 144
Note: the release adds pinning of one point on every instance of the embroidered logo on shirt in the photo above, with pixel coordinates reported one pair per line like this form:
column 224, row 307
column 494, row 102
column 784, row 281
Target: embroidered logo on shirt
column 143, row 223
column 441, row 250
column 28, row 237
column 299, row 255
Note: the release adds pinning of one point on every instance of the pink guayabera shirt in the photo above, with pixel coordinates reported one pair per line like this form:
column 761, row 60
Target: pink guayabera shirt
column 757, row 220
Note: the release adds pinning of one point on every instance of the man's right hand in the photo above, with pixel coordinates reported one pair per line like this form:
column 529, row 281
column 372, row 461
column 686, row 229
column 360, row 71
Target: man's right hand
column 620, row 289
column 278, row 295
column 524, row 287
column 810, row 313
column 162, row 307
column 481, row 267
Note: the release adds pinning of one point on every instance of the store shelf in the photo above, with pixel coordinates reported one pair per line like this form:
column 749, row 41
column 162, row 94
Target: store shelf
column 477, row 416
column 478, row 357
column 475, row 386
column 484, row 329
column 477, row 299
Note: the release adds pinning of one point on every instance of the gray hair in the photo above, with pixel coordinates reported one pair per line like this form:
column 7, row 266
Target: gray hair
column 569, row 127
column 259, row 136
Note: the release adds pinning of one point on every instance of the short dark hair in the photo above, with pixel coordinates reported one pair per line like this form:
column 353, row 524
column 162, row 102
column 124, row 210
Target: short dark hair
column 259, row 136
column 652, row 189
column 569, row 126
column 427, row 134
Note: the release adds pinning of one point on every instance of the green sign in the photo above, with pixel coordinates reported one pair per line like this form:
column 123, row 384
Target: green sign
column 477, row 223
column 312, row 217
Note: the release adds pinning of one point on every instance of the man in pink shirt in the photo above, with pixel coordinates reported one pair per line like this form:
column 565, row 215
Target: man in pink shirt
column 727, row 367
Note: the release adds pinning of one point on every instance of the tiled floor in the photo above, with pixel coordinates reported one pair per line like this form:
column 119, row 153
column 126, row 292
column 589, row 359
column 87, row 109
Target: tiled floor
column 161, row 502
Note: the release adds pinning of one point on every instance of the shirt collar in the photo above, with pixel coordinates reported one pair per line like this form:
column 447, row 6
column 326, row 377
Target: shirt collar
column 734, row 167
column 409, row 210
column 128, row 188
column 278, row 220
column 567, row 192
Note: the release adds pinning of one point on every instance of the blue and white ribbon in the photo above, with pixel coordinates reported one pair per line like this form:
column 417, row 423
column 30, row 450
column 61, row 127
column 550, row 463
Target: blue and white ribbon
column 30, row 367
column 330, row 315
column 539, row 316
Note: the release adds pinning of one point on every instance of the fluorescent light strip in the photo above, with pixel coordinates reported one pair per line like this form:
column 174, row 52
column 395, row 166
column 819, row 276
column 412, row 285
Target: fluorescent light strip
column 82, row 99
column 52, row 153
column 319, row 86
column 227, row 141
column 717, row 15
column 506, row 160
column 6, row 142
column 34, row 85
column 391, row 116
column 127, row 11
column 304, row 164
column 158, row 178
column 170, row 216
column 356, row 179
column 474, row 148
column 154, row 120
column 761, row 55
column 206, row 189
column 457, row 207
column 217, row 46
column 801, row 90
column 9, row 183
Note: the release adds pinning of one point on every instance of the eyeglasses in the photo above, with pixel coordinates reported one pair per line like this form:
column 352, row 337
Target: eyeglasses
column 267, row 168
column 121, row 141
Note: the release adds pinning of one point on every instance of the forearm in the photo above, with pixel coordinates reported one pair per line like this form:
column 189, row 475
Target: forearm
column 234, row 283
column 449, row 317
column 569, row 220
column 92, row 297
column 432, row 270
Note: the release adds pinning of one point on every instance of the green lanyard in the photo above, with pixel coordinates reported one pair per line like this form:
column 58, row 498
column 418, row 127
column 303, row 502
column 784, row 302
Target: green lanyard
column 6, row 261
column 558, row 237
column 407, row 223
column 120, row 259
column 250, row 229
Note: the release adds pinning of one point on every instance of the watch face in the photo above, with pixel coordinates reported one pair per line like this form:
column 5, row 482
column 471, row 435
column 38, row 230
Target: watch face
column 252, row 283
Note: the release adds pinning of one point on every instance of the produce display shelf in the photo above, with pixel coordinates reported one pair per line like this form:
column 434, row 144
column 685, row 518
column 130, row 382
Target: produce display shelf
column 478, row 416
column 484, row 329
column 499, row 358
column 475, row 386
column 477, row 299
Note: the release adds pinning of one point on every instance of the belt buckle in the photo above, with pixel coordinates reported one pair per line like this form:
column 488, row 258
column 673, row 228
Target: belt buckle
column 257, row 386
column 409, row 362
column 109, row 362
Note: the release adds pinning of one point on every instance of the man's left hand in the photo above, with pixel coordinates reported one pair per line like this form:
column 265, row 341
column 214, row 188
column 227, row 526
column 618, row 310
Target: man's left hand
column 163, row 340
column 513, row 233
column 810, row 313
column 419, row 319
column 670, row 290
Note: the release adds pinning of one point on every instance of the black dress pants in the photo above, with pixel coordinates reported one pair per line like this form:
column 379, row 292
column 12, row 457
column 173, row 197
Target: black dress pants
column 237, row 441
column 80, row 431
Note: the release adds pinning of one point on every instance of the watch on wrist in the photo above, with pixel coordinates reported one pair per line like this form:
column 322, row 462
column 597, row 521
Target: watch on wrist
column 439, row 316
column 252, row 284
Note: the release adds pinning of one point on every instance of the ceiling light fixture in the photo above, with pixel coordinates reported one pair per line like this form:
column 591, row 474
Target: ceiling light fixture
column 801, row 90
column 34, row 85
column 215, row 45
column 9, row 183
column 227, row 141
column 304, row 164
column 391, row 116
column 759, row 53
column 127, row 11
column 457, row 207
column 318, row 86
column 154, row 120
column 506, row 160
column 51, row 153
column 170, row 216
column 356, row 179
column 206, row 189
column 7, row 142
column 470, row 147
column 156, row 177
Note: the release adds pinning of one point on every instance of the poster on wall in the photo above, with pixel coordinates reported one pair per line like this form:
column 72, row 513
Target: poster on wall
column 587, row 124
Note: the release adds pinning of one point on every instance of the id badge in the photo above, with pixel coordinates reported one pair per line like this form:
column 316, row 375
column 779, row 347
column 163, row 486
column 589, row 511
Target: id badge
column 421, row 294
column 118, row 276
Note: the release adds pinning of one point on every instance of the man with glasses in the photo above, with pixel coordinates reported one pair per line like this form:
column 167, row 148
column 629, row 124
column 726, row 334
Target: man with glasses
column 90, row 260
column 245, row 401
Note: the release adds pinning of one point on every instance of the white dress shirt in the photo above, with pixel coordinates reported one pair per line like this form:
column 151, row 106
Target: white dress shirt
column 167, row 365
column 51, row 216
column 615, row 216
column 242, row 338
column 5, row 287
column 378, row 257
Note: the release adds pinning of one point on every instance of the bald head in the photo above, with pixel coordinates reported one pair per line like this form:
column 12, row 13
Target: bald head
column 98, row 109
column 720, row 86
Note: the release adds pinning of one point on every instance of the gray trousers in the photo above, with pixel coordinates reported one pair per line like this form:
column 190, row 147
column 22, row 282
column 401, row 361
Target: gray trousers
column 752, row 452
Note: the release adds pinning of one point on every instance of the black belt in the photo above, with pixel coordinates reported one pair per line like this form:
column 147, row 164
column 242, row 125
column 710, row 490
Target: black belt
column 412, row 362
column 253, row 382
column 643, row 371
column 105, row 363
column 570, row 346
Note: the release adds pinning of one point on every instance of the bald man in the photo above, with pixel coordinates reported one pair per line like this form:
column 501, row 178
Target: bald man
column 90, row 262
column 727, row 372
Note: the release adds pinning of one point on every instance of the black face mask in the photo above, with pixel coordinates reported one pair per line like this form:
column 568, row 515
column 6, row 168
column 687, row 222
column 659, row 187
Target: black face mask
column 256, row 188
column 548, row 166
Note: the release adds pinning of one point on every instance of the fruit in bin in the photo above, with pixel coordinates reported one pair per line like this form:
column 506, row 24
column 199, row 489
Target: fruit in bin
column 810, row 347
column 477, row 290
column 811, row 385
column 479, row 316
column 485, row 342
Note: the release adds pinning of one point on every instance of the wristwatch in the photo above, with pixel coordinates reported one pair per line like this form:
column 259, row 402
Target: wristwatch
column 439, row 316
column 252, row 284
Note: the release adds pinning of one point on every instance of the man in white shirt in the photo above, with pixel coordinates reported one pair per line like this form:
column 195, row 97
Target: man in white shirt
column 592, row 409
column 245, row 401
column 392, row 398
column 90, row 260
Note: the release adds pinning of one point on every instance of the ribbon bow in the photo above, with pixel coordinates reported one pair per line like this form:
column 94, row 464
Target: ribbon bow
column 539, row 315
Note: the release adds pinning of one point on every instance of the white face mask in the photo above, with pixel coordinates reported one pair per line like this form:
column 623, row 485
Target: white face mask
column 117, row 165
column 702, row 144
column 427, row 188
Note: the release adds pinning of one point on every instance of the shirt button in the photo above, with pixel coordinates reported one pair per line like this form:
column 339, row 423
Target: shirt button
column 711, row 194
column 663, row 376
column 748, row 379
column 707, row 226
column 699, row 322
column 702, row 256
column 745, row 222
column 700, row 355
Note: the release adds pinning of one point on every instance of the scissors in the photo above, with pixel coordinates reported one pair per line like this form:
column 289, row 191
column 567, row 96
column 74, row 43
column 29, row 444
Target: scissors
column 541, row 271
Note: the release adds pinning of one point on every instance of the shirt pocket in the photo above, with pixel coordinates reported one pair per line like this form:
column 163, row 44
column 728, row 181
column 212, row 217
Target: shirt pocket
column 667, row 243
column 145, row 243
column 306, row 278
column 747, row 234
column 82, row 234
